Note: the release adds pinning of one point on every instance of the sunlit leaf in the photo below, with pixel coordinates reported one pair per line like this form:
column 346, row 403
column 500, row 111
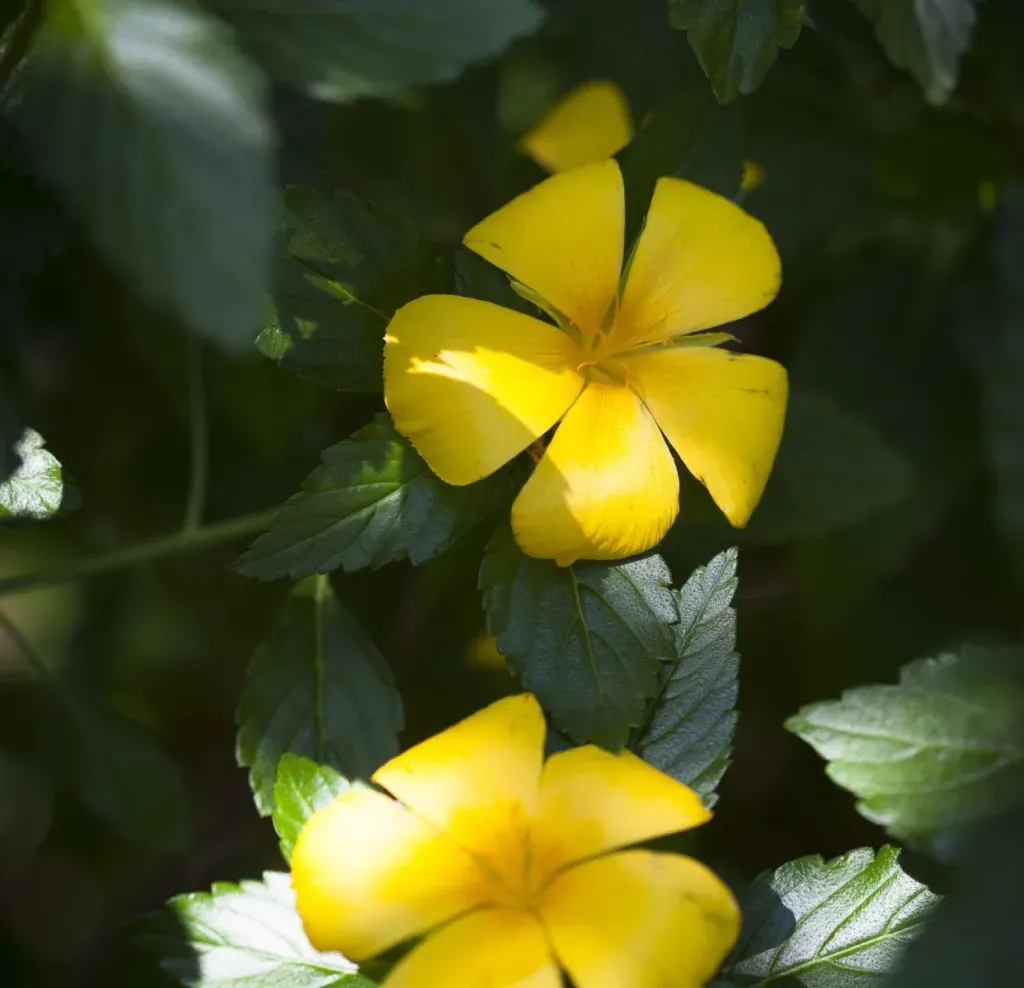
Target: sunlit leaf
column 302, row 787
column 36, row 487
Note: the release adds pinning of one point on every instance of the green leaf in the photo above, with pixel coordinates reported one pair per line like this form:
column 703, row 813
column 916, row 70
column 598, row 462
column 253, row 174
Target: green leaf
column 373, row 501
column 245, row 936
column 123, row 778
column 943, row 747
column 832, row 470
column 317, row 687
column 36, row 487
column 925, row 37
column 347, row 267
column 302, row 787
column 974, row 937
column 737, row 41
column 588, row 639
column 151, row 124
column 344, row 49
column 829, row 924
column 690, row 727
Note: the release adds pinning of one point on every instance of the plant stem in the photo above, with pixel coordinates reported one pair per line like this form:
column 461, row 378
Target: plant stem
column 199, row 458
column 141, row 552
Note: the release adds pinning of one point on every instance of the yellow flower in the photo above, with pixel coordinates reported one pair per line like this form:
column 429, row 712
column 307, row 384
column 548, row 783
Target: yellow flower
column 590, row 124
column 504, row 862
column 472, row 384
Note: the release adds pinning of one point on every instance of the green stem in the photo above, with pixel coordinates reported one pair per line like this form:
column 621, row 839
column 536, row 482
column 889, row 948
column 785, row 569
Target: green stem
column 141, row 552
column 199, row 457
column 23, row 645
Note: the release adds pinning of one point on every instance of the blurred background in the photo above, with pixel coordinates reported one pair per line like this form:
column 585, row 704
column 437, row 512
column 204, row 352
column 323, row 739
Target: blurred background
column 893, row 527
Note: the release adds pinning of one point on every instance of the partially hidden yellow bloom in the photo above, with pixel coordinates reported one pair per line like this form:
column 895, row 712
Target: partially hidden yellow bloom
column 623, row 362
column 590, row 124
column 505, row 862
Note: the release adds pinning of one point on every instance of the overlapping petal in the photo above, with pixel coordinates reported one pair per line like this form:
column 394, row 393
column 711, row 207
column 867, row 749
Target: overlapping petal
column 723, row 412
column 369, row 874
column 638, row 919
column 606, row 487
column 590, row 124
column 592, row 801
column 478, row 782
column 472, row 384
column 496, row 948
column 563, row 239
column 700, row 262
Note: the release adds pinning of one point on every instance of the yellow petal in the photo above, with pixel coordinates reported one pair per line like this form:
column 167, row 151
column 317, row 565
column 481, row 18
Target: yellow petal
column 492, row 948
column 590, row 124
column 478, row 782
column 592, row 801
column 563, row 239
column 369, row 874
column 723, row 412
column 606, row 487
column 638, row 919
column 701, row 261
column 472, row 384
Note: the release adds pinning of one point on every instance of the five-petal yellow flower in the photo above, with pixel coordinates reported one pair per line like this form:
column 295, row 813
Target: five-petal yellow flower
column 506, row 863
column 472, row 384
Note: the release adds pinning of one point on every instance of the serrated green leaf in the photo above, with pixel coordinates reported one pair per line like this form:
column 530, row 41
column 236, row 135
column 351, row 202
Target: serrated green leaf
column 925, row 37
column 151, row 124
column 36, row 487
column 974, row 937
column 302, row 787
column 374, row 500
column 317, row 687
column 588, row 639
column 737, row 41
column 245, row 936
column 832, row 470
column 691, row 722
column 348, row 266
column 123, row 778
column 345, row 49
column 929, row 755
column 829, row 924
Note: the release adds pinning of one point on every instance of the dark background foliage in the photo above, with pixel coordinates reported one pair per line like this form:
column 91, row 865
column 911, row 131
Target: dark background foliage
column 893, row 527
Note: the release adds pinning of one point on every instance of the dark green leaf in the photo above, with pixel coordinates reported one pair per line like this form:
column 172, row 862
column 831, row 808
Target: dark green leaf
column 737, row 41
column 690, row 137
column 974, row 937
column 829, row 924
column 123, row 778
column 943, row 747
column 925, row 37
column 151, row 124
column 36, row 487
column 302, row 787
column 588, row 639
column 691, row 724
column 317, row 687
column 348, row 266
column 344, row 49
column 245, row 936
column 832, row 470
column 372, row 501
